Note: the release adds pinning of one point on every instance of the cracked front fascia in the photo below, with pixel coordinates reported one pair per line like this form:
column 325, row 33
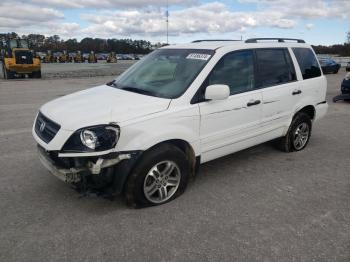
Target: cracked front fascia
column 94, row 168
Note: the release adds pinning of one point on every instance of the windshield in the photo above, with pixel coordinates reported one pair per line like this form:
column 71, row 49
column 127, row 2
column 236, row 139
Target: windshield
column 164, row 73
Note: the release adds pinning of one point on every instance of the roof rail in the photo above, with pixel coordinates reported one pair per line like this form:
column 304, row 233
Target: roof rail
column 280, row 40
column 213, row 40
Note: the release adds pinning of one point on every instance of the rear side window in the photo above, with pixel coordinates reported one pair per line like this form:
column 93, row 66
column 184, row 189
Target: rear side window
column 235, row 70
column 274, row 67
column 307, row 62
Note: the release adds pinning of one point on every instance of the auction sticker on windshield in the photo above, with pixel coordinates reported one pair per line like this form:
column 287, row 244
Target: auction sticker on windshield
column 198, row 56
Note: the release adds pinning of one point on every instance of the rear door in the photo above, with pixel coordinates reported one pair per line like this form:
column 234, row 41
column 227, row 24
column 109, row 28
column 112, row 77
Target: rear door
column 280, row 89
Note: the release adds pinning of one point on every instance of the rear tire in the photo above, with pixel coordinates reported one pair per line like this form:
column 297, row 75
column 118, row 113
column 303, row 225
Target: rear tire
column 37, row 74
column 298, row 134
column 160, row 176
column 8, row 74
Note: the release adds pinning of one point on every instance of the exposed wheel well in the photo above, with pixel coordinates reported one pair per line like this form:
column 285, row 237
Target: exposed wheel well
column 185, row 147
column 309, row 110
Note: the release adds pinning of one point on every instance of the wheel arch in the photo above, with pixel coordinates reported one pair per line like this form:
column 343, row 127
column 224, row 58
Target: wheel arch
column 309, row 110
column 126, row 169
column 185, row 147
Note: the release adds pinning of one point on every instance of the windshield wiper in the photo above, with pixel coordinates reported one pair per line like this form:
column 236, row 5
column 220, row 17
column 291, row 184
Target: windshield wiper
column 139, row 91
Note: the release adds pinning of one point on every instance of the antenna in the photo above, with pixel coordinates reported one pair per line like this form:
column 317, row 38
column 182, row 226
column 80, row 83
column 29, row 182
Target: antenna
column 167, row 22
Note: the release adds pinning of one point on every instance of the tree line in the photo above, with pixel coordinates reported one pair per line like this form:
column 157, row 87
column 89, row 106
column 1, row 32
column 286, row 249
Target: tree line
column 54, row 43
column 41, row 43
column 341, row 50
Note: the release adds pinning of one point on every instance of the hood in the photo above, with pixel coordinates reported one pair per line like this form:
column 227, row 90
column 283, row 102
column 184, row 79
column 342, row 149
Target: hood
column 101, row 105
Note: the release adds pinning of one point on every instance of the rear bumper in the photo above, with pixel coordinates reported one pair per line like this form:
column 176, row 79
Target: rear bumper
column 321, row 110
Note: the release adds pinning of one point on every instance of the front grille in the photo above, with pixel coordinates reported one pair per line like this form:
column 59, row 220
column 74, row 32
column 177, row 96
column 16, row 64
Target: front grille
column 24, row 57
column 45, row 128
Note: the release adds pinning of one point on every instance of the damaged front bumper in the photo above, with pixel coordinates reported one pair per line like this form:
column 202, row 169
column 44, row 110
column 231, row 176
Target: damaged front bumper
column 90, row 170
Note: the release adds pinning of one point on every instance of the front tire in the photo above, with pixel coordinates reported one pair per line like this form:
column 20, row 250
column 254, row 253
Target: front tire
column 37, row 74
column 298, row 134
column 7, row 73
column 160, row 176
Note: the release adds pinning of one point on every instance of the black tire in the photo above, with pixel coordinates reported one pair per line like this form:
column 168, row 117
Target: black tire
column 37, row 74
column 3, row 70
column 286, row 143
column 8, row 74
column 134, row 191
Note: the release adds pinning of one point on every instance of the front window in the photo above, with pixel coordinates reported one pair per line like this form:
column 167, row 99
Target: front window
column 164, row 73
column 235, row 70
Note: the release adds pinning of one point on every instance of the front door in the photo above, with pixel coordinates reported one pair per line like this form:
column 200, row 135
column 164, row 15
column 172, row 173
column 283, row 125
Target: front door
column 232, row 124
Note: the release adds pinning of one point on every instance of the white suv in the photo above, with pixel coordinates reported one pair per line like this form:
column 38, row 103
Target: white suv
column 145, row 133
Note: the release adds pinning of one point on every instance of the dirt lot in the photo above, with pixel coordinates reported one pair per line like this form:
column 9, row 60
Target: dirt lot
column 255, row 205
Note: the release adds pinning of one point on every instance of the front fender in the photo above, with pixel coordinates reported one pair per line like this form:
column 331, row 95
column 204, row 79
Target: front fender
column 143, row 135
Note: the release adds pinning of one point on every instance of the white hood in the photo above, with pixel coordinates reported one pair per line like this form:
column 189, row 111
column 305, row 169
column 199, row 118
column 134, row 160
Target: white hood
column 101, row 105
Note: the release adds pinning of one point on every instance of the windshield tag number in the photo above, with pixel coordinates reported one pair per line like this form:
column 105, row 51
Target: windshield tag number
column 198, row 56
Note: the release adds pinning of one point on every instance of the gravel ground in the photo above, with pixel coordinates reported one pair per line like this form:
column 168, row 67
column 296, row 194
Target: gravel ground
column 256, row 205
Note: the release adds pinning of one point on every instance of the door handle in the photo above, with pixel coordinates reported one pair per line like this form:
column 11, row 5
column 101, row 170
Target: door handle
column 253, row 102
column 296, row 92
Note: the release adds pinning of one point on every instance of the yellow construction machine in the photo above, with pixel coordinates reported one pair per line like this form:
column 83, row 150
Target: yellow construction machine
column 79, row 58
column 63, row 58
column 111, row 58
column 49, row 58
column 18, row 60
column 92, row 57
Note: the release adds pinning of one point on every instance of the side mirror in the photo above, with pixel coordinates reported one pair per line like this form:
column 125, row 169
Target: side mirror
column 217, row 92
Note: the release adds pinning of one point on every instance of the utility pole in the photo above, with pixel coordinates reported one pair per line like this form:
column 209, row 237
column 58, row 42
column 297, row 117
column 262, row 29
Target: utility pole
column 167, row 22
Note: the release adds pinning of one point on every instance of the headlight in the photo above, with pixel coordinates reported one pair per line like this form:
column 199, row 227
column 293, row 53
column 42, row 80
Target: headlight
column 88, row 138
column 347, row 77
column 94, row 138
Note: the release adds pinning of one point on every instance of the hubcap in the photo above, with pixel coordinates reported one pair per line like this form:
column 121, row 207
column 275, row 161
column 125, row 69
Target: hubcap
column 161, row 182
column 301, row 136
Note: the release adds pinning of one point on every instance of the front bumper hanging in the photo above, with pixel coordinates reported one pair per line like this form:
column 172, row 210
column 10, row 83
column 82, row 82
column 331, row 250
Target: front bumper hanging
column 73, row 174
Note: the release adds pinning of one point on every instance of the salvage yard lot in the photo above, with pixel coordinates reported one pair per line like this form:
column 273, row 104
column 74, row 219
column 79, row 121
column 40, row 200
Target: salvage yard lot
column 256, row 205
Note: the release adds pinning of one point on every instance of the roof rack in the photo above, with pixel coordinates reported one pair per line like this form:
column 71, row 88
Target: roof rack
column 213, row 40
column 280, row 40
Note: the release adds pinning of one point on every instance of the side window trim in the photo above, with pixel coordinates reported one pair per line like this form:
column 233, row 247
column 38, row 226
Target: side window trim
column 198, row 97
column 290, row 65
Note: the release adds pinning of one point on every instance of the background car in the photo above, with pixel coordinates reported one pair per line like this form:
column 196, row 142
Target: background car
column 345, row 90
column 329, row 66
column 345, row 85
column 348, row 67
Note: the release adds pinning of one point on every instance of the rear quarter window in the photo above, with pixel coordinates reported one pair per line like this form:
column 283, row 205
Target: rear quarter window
column 307, row 62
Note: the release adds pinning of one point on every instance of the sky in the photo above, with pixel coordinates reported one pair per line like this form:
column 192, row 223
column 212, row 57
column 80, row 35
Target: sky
column 316, row 21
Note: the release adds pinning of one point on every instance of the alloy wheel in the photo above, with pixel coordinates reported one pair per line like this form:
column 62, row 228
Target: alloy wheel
column 301, row 135
column 162, row 181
